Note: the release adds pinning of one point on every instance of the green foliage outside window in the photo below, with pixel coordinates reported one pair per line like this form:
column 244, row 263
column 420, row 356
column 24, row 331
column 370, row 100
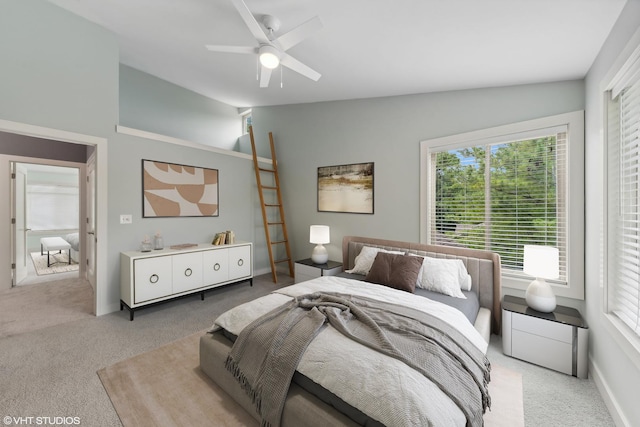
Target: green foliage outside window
column 499, row 197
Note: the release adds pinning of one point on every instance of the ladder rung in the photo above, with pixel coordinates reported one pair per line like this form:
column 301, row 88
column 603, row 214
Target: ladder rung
column 265, row 187
column 281, row 260
column 275, row 223
column 278, row 242
column 269, row 204
column 267, row 170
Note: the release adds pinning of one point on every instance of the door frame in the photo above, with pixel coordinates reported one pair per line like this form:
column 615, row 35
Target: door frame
column 82, row 202
column 100, row 303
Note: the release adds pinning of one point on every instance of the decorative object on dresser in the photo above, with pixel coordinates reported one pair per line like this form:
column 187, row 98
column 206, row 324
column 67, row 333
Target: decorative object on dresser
column 319, row 234
column 346, row 188
column 542, row 262
column 148, row 278
column 306, row 269
column 556, row 340
column 170, row 190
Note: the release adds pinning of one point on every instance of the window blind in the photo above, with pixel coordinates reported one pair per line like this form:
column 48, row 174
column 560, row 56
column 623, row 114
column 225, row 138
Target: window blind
column 623, row 210
column 52, row 207
column 503, row 195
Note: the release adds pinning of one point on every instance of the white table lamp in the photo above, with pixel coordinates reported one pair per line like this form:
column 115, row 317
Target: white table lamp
column 319, row 234
column 542, row 262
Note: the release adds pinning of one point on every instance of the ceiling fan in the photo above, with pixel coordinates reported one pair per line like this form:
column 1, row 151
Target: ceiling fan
column 271, row 49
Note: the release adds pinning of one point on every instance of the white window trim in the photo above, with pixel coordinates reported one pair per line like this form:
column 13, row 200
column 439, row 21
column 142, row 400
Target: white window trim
column 617, row 329
column 575, row 177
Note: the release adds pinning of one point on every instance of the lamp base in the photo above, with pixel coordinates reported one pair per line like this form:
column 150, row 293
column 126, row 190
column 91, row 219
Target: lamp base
column 540, row 296
column 319, row 255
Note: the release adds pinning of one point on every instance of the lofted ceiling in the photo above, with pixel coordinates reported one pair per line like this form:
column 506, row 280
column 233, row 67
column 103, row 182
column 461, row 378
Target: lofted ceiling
column 366, row 48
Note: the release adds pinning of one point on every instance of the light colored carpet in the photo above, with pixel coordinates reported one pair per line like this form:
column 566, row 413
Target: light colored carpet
column 28, row 308
column 166, row 387
column 59, row 263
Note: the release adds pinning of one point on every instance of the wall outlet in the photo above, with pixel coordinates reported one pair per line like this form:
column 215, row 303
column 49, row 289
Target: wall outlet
column 125, row 219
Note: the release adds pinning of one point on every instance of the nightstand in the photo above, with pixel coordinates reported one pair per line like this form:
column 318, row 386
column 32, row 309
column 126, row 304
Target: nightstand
column 307, row 270
column 556, row 340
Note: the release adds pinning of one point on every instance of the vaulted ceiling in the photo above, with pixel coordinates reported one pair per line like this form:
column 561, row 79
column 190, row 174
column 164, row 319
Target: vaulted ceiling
column 366, row 48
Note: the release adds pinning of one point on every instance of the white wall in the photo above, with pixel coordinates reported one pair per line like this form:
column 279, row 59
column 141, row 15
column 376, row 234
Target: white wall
column 618, row 376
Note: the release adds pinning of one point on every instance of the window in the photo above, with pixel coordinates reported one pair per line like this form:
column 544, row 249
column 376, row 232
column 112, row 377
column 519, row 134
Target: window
column 502, row 188
column 623, row 191
column 52, row 198
column 246, row 121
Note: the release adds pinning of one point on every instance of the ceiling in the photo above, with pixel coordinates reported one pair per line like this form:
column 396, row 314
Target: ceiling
column 366, row 48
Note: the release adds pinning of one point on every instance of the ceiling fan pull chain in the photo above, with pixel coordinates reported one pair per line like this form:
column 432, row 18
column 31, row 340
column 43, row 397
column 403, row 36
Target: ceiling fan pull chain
column 281, row 77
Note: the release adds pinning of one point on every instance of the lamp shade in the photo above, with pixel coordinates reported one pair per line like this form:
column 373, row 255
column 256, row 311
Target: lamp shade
column 541, row 261
column 319, row 234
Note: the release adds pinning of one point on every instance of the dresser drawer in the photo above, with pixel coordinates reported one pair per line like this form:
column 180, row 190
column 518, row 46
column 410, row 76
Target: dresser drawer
column 542, row 351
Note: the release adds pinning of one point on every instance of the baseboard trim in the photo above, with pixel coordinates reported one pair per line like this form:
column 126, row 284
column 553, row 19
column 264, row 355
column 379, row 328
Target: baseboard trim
column 609, row 400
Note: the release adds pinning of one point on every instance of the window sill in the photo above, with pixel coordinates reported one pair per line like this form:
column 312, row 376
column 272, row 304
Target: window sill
column 627, row 340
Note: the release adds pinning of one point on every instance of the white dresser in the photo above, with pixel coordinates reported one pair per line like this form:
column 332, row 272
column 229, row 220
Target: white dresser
column 151, row 277
column 557, row 340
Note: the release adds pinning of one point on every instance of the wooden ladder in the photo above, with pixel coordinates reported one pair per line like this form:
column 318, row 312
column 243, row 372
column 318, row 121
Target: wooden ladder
column 280, row 222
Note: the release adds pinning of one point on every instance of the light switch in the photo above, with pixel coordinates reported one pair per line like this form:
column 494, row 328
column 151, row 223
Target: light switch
column 125, row 219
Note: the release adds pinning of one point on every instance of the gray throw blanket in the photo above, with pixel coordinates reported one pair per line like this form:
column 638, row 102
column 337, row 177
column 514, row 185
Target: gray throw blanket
column 266, row 353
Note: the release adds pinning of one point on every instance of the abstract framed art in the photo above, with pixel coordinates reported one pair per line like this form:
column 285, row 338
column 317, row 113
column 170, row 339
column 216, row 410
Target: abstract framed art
column 346, row 188
column 173, row 190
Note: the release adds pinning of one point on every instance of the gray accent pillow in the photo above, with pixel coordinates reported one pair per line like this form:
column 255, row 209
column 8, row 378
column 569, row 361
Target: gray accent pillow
column 395, row 271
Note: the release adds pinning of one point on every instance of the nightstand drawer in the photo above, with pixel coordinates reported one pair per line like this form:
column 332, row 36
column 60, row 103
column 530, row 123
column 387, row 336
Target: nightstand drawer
column 544, row 328
column 543, row 351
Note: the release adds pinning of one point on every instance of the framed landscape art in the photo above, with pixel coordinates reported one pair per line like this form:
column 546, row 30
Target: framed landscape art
column 346, row 188
column 172, row 190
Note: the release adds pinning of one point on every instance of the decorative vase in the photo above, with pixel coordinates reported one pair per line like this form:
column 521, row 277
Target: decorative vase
column 158, row 242
column 145, row 246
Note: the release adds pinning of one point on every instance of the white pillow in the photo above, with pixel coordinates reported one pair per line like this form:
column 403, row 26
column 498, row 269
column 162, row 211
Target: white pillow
column 365, row 258
column 446, row 276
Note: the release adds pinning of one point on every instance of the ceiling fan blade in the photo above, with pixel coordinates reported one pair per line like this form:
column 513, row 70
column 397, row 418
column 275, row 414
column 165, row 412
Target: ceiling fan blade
column 231, row 49
column 251, row 22
column 300, row 33
column 265, row 76
column 297, row 66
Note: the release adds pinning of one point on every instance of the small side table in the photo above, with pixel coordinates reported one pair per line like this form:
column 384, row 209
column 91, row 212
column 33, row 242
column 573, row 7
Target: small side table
column 307, row 270
column 557, row 340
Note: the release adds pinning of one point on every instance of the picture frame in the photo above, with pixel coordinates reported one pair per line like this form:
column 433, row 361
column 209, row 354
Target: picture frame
column 175, row 190
column 346, row 188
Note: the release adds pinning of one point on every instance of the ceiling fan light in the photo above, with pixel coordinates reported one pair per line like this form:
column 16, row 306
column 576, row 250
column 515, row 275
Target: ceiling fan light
column 269, row 57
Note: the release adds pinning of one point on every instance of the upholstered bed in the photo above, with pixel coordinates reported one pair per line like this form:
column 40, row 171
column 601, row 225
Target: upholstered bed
column 382, row 390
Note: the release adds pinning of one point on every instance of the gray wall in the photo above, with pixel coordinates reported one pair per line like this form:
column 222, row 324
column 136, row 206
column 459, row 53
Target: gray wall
column 610, row 365
column 154, row 105
column 60, row 71
column 386, row 131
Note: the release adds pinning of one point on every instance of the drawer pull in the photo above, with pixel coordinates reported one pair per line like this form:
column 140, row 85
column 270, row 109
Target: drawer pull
column 216, row 266
column 188, row 272
column 154, row 278
column 240, row 262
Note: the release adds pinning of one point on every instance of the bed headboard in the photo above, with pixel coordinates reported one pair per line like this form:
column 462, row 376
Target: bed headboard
column 483, row 266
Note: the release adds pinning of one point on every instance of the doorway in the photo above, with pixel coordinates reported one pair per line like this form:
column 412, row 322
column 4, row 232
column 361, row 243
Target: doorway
column 46, row 208
column 43, row 144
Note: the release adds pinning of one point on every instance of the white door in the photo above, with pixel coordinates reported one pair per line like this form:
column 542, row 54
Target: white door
column 91, row 222
column 20, row 257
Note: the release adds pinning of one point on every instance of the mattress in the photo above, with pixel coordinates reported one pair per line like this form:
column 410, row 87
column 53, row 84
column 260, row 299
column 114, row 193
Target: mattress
column 469, row 307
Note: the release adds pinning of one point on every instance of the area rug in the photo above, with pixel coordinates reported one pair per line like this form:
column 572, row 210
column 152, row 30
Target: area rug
column 166, row 387
column 59, row 263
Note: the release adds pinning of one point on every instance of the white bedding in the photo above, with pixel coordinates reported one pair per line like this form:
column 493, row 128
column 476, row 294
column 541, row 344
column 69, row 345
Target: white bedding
column 380, row 386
